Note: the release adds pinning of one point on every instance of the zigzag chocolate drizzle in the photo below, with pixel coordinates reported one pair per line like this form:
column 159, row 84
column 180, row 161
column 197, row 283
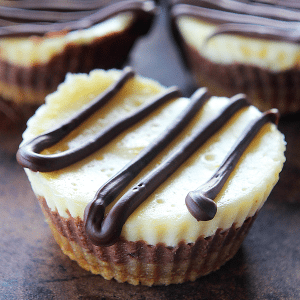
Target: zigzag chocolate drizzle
column 247, row 18
column 28, row 154
column 40, row 19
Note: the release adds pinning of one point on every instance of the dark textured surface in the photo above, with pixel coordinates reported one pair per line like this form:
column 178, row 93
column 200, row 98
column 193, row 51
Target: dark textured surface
column 266, row 267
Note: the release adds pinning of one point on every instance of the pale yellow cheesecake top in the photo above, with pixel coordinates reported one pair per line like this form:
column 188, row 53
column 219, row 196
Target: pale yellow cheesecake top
column 163, row 216
column 231, row 48
column 29, row 51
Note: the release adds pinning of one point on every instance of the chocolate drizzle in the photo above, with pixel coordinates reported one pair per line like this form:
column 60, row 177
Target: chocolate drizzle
column 200, row 201
column 105, row 232
column 35, row 18
column 105, row 229
column 28, row 155
column 247, row 18
column 258, row 31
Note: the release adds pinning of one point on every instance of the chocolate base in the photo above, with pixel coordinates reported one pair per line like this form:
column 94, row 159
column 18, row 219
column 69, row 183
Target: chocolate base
column 33, row 83
column 139, row 262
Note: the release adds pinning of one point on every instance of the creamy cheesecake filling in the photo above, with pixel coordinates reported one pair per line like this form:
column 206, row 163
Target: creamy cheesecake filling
column 227, row 49
column 32, row 32
column 163, row 217
column 39, row 50
column 40, row 41
column 245, row 32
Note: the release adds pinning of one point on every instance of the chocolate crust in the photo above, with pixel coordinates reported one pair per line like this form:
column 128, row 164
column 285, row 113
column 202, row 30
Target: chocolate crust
column 110, row 51
column 267, row 89
column 139, row 262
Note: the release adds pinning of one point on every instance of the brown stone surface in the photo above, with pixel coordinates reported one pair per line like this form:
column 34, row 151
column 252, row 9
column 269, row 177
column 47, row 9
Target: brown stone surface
column 266, row 267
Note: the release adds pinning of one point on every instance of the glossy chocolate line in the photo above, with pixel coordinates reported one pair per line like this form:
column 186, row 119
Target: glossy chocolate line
column 218, row 17
column 94, row 212
column 100, row 15
column 247, row 8
column 59, row 5
column 200, row 202
column 106, row 231
column 18, row 15
column 28, row 156
column 279, row 3
column 258, row 24
column 53, row 12
column 257, row 31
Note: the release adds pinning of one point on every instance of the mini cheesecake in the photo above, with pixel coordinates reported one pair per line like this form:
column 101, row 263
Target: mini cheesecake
column 142, row 185
column 242, row 46
column 41, row 41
